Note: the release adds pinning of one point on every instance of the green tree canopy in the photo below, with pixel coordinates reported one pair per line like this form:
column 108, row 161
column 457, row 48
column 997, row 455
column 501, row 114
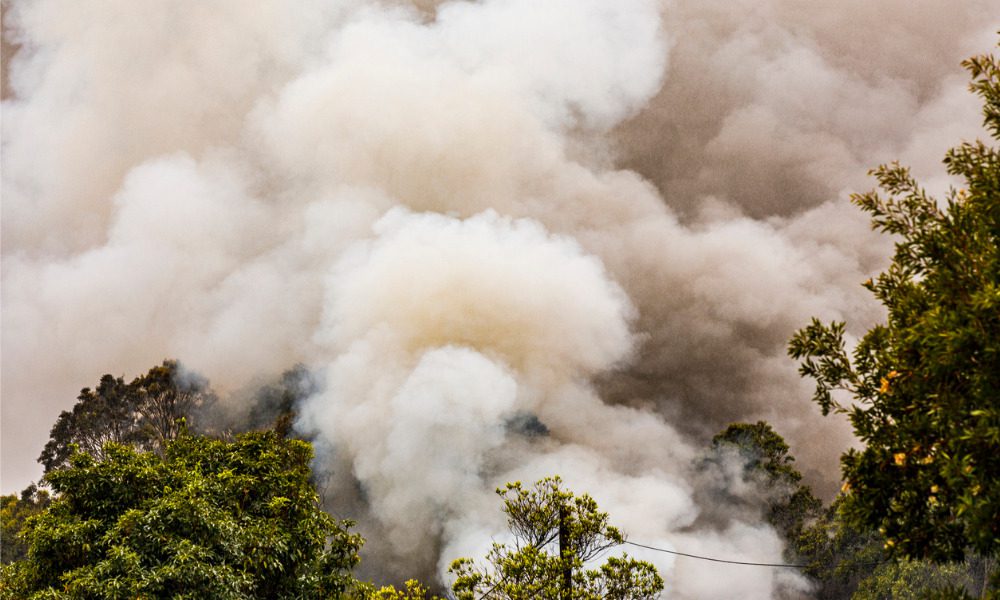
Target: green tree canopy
column 208, row 519
column 847, row 562
column 555, row 534
column 146, row 413
column 14, row 513
column 766, row 459
column 103, row 414
column 166, row 398
column 926, row 384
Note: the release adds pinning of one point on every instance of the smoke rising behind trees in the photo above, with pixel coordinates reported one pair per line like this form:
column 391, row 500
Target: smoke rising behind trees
column 608, row 217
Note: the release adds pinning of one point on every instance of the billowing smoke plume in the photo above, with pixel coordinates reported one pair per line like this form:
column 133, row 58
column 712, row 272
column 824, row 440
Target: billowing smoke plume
column 510, row 238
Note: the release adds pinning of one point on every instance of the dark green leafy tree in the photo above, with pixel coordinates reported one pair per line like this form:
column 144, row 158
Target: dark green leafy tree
column 14, row 513
column 766, row 461
column 847, row 562
column 208, row 519
column 145, row 413
column 555, row 534
column 925, row 386
column 908, row 579
column 838, row 555
column 106, row 413
column 167, row 397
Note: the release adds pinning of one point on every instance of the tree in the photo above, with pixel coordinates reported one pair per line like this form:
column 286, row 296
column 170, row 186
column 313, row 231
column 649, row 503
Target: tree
column 105, row 414
column 166, row 397
column 145, row 413
column 908, row 579
column 555, row 534
column 837, row 555
column 766, row 459
column 412, row 590
column 208, row 519
column 14, row 513
column 273, row 406
column 926, row 384
column 847, row 562
column 842, row 560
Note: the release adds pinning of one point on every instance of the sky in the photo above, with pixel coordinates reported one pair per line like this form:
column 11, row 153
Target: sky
column 606, row 217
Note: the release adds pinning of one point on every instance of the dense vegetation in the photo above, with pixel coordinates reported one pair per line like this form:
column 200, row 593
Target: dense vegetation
column 146, row 413
column 209, row 518
column 239, row 518
column 925, row 386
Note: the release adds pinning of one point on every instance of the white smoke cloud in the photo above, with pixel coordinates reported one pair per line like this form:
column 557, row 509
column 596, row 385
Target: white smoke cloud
column 607, row 217
column 443, row 330
column 503, row 287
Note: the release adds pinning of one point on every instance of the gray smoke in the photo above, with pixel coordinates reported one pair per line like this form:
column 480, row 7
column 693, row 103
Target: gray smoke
column 512, row 238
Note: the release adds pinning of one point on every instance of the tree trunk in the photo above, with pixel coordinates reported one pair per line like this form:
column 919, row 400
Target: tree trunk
column 565, row 555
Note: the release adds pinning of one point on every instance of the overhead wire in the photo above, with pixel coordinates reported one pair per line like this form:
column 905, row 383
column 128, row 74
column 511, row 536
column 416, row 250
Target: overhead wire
column 719, row 560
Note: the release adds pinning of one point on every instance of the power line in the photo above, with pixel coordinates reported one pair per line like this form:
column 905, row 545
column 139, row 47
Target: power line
column 719, row 560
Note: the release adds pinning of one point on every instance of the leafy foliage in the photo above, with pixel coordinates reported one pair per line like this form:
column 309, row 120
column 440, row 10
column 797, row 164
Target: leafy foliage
column 166, row 397
column 847, row 562
column 209, row 519
column 926, row 384
column 14, row 513
column 555, row 534
column 838, row 555
column 104, row 414
column 145, row 413
column 766, row 459
column 273, row 405
column 412, row 590
column 920, row 579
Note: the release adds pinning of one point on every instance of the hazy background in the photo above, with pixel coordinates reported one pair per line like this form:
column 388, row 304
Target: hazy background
column 608, row 217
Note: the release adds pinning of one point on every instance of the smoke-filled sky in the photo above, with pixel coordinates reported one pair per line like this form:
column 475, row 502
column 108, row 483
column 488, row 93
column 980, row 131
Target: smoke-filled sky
column 604, row 217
